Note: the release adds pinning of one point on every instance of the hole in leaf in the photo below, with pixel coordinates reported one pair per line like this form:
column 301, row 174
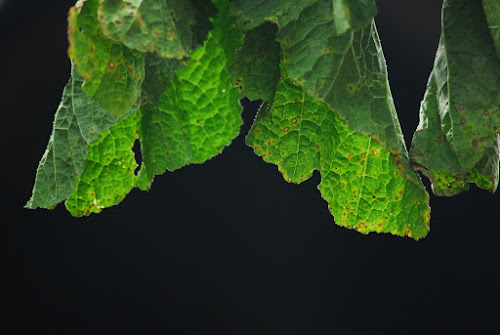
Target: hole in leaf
column 138, row 156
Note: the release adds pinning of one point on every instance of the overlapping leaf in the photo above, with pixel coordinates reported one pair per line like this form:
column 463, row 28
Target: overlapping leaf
column 341, row 78
column 170, row 28
column 364, row 186
column 77, row 123
column 109, row 169
column 198, row 115
column 457, row 140
column 255, row 71
column 113, row 73
column 492, row 11
column 353, row 14
column 252, row 13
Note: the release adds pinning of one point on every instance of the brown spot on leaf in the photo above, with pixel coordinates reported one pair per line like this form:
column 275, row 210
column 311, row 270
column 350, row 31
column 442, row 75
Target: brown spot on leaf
column 286, row 129
column 463, row 120
column 294, row 120
column 111, row 65
column 475, row 142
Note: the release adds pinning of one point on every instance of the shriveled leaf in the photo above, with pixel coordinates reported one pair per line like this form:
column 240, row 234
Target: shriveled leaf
column 113, row 73
column 109, row 170
column 77, row 122
column 256, row 69
column 457, row 140
column 169, row 28
column 364, row 184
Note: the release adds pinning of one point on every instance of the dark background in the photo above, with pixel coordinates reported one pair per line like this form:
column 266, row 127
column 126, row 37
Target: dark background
column 228, row 247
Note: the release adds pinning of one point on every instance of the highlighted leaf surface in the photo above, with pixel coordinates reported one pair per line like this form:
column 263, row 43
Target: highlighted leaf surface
column 457, row 140
column 198, row 115
column 363, row 184
column 109, row 170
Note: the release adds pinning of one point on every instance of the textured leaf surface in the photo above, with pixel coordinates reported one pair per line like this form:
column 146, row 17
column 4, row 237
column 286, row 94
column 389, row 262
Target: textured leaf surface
column 109, row 170
column 158, row 72
column 350, row 76
column 313, row 51
column 256, row 68
column 198, row 115
column 492, row 11
column 457, row 141
column 353, row 14
column 362, row 182
column 170, row 28
column 251, row 13
column 113, row 73
column 77, row 122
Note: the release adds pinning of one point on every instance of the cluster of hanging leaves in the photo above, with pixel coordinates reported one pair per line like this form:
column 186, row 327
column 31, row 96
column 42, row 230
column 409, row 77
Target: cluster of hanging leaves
column 169, row 73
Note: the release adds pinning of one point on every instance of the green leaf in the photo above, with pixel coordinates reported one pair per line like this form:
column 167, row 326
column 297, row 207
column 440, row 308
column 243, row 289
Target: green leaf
column 170, row 28
column 252, row 13
column 109, row 170
column 492, row 11
column 457, row 140
column 198, row 115
column 353, row 14
column 77, row 122
column 256, row 68
column 113, row 73
column 364, row 184
column 158, row 72
column 313, row 51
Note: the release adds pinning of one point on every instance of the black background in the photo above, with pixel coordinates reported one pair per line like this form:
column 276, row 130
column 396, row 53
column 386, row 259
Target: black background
column 228, row 247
